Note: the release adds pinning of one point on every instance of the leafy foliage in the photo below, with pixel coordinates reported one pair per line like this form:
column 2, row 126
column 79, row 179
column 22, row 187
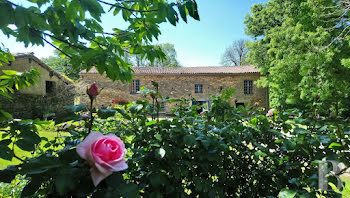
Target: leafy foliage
column 74, row 28
column 228, row 152
column 62, row 66
column 169, row 60
column 295, row 48
column 12, row 81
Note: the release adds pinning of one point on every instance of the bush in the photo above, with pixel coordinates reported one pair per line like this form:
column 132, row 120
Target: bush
column 227, row 152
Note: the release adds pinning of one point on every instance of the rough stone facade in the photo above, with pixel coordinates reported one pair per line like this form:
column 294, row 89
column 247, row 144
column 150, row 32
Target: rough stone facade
column 35, row 101
column 177, row 85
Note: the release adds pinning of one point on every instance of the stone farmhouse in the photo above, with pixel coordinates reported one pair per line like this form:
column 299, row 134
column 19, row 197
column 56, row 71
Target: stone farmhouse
column 52, row 92
column 196, row 83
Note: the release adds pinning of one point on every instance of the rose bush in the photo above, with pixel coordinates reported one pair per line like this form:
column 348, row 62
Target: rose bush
column 227, row 152
column 105, row 153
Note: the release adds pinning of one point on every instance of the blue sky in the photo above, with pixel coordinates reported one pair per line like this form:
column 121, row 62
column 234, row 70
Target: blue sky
column 198, row 43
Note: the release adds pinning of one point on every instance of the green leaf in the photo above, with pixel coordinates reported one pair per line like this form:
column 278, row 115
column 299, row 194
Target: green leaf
column 190, row 140
column 300, row 131
column 32, row 186
column 129, row 190
column 6, row 153
column 183, row 12
column 40, row 165
column 116, row 11
column 20, row 16
column 136, row 108
column 28, row 140
column 25, row 145
column 334, row 144
column 5, row 115
column 6, row 16
column 158, row 137
column 76, row 108
column 65, row 179
column 106, row 113
column 151, row 122
column 260, row 153
column 287, row 193
column 289, row 145
column 162, row 10
column 93, row 7
column 157, row 180
column 8, row 174
column 324, row 128
column 126, row 14
column 193, row 9
column 172, row 16
column 9, row 72
column 254, row 121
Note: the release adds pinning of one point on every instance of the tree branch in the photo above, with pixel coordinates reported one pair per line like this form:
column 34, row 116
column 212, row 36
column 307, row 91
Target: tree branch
column 56, row 47
column 122, row 7
column 20, row 159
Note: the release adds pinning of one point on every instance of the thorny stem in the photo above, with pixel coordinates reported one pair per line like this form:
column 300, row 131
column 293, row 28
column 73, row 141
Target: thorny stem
column 18, row 158
column 91, row 115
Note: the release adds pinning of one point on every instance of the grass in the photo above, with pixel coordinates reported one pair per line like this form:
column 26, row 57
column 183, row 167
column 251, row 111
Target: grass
column 47, row 131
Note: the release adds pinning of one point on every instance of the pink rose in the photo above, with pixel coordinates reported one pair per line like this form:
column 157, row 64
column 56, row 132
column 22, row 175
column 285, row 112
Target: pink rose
column 105, row 153
column 270, row 112
column 93, row 90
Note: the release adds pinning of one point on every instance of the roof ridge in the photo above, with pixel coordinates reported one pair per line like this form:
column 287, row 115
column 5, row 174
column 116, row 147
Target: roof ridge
column 187, row 70
column 42, row 64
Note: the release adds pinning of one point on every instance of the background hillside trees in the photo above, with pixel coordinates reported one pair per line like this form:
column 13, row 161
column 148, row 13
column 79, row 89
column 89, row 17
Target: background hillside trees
column 235, row 54
column 296, row 47
column 62, row 65
column 75, row 29
column 169, row 60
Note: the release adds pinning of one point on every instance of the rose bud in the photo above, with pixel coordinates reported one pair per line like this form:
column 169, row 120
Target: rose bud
column 104, row 153
column 93, row 90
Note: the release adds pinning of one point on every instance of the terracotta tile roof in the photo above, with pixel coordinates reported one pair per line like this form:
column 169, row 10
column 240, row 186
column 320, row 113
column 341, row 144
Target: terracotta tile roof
column 187, row 70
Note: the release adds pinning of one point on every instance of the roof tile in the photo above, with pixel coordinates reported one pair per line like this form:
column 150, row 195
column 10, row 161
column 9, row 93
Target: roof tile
column 187, row 70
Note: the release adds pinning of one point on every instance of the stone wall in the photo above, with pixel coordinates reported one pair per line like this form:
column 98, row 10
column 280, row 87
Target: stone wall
column 25, row 63
column 34, row 101
column 31, row 106
column 176, row 86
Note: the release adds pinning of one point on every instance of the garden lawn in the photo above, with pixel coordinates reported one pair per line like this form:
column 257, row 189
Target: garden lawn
column 47, row 131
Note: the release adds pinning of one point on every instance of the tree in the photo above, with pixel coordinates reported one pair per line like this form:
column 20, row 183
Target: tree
column 74, row 28
column 235, row 54
column 292, row 48
column 169, row 60
column 62, row 66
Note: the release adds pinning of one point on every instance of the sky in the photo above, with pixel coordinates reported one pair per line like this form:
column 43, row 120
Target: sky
column 197, row 43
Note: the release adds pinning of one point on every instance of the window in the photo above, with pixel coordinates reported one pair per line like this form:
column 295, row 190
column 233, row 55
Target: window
column 198, row 88
column 50, row 86
column 248, row 87
column 135, row 86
